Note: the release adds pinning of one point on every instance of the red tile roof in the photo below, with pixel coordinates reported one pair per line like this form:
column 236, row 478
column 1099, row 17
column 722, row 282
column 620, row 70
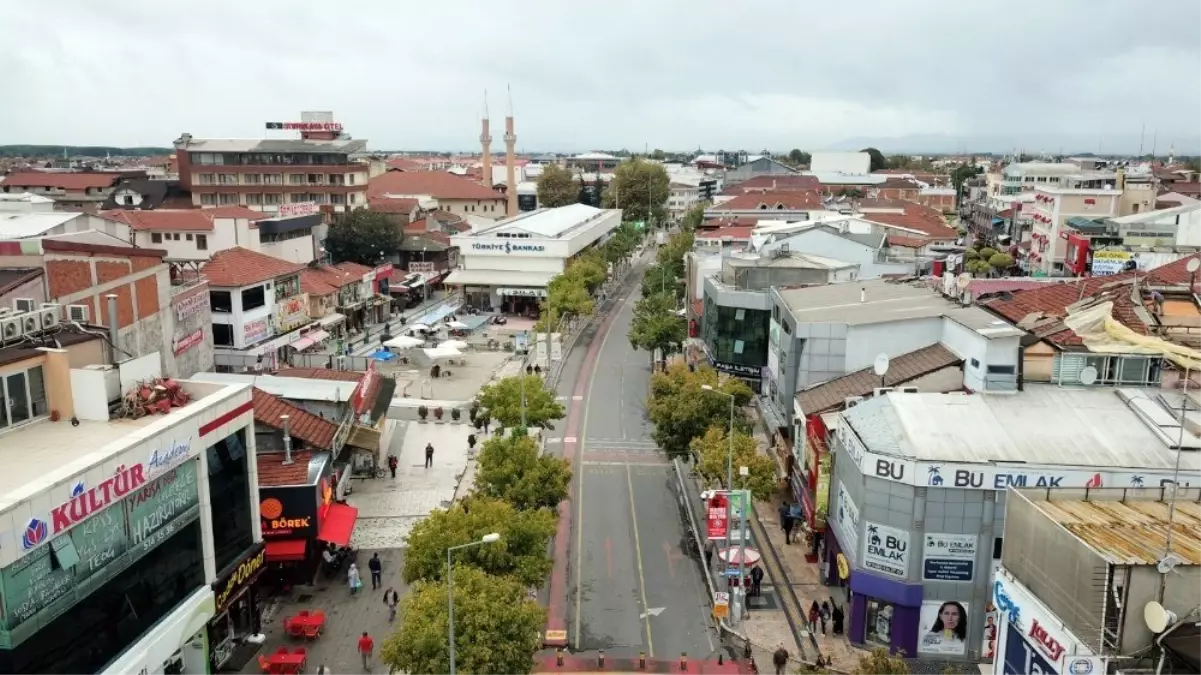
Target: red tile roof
column 237, row 211
column 236, row 267
column 387, row 205
column 733, row 232
column 1052, row 300
column 1187, row 189
column 404, row 164
column 1173, row 274
column 62, row 180
column 832, row 394
column 436, row 184
column 934, row 228
column 769, row 201
column 331, row 276
column 907, row 242
column 167, row 219
column 321, row 374
column 304, row 425
column 313, row 283
column 353, row 268
column 780, row 183
column 273, row 472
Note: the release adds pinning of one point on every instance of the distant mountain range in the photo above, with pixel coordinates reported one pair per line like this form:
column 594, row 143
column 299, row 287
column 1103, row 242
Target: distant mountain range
column 79, row 151
column 1031, row 144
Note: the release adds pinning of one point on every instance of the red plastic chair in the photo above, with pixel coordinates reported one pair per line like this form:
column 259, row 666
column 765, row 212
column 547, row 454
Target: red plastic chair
column 302, row 613
column 295, row 629
column 265, row 665
column 312, row 631
column 282, row 651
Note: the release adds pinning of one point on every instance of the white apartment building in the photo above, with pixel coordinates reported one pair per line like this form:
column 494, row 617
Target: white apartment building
column 194, row 235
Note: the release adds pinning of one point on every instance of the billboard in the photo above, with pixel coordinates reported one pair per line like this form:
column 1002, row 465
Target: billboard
column 942, row 627
column 1106, row 263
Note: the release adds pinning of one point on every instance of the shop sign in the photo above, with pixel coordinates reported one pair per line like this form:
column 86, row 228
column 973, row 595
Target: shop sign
column 292, row 312
column 253, row 331
column 297, row 209
column 422, row 267
column 738, row 369
column 719, row 516
column 305, row 126
column 288, row 513
column 886, row 550
column 1115, row 262
column 153, row 510
column 949, row 557
column 1005, row 604
column 846, row 516
column 524, row 292
column 1022, row 658
column 508, row 247
column 821, row 494
column 111, row 490
column 191, row 305
column 241, row 577
column 188, row 341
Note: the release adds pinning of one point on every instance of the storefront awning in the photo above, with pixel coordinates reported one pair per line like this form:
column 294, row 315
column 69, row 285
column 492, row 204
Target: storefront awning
column 498, row 278
column 332, row 320
column 309, row 340
column 339, row 524
column 285, row 550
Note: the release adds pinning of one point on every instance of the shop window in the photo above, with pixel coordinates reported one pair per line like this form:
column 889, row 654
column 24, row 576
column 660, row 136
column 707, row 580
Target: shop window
column 997, row 547
column 879, row 623
column 223, row 335
column 229, row 494
column 221, row 302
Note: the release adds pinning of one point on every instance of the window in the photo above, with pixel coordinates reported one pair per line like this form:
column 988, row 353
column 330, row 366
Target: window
column 220, row 302
column 273, row 179
column 1002, row 370
column 975, row 363
column 227, row 179
column 739, row 314
column 175, row 236
column 354, row 198
column 206, row 179
column 337, row 199
column 296, row 179
column 189, row 236
column 879, row 623
column 24, row 397
column 350, row 179
column 128, row 201
column 298, row 197
column 316, row 179
column 229, row 495
column 253, row 298
column 223, row 335
column 271, row 200
column 251, row 178
column 254, row 199
column 202, row 242
column 156, row 237
column 229, row 199
column 208, row 199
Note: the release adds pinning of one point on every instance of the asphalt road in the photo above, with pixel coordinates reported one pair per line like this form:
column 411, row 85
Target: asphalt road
column 635, row 582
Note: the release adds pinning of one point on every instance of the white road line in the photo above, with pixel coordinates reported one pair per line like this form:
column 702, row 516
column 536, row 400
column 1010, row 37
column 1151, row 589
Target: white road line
column 569, row 439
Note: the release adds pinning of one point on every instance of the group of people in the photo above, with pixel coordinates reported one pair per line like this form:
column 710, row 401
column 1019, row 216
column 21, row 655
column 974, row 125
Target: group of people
column 366, row 644
column 824, row 614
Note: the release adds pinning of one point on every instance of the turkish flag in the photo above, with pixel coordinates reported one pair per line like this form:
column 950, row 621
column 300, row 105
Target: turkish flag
column 719, row 516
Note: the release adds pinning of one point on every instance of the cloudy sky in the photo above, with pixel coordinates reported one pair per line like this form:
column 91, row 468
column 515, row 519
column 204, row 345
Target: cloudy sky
column 676, row 74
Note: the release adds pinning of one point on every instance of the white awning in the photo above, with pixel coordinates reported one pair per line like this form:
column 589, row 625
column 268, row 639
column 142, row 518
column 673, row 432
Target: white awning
column 499, row 278
column 332, row 319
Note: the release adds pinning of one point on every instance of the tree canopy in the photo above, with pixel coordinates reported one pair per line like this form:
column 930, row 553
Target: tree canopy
column 622, row 243
column 557, row 187
column 682, row 410
column 656, row 325
column 503, row 399
column 364, row 237
column 589, row 268
column 878, row 161
column 712, row 450
column 497, row 627
column 694, row 216
column 520, row 552
column 637, row 185
column 510, row 468
column 660, row 280
column 797, row 157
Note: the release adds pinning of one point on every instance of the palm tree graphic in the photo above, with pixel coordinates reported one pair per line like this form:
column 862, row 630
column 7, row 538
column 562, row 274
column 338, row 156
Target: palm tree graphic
column 873, row 530
column 935, row 477
column 1136, row 481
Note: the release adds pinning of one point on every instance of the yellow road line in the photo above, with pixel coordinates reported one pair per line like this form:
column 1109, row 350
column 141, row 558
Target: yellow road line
column 646, row 612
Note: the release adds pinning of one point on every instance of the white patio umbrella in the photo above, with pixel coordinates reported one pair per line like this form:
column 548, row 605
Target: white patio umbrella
column 404, row 342
column 453, row 344
column 442, row 353
column 458, row 325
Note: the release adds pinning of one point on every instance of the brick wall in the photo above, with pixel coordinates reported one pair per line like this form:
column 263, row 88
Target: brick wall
column 85, row 279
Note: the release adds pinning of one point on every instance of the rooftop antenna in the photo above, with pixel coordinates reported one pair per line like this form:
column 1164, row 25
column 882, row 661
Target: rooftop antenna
column 880, row 366
column 1142, row 135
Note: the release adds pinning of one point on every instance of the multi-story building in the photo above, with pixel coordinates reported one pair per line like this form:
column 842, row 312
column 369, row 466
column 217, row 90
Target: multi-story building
column 1090, row 197
column 126, row 538
column 272, row 175
column 439, row 190
column 194, row 235
column 70, row 190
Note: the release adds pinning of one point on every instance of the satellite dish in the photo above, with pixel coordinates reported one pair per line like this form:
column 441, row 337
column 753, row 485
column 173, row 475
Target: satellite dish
column 1193, row 265
column 1157, row 618
column 1169, row 563
column 880, row 366
column 1088, row 375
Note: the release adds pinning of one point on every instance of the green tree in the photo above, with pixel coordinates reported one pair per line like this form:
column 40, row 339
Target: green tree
column 899, row 162
column 520, row 553
column 585, row 196
column 503, row 399
column 694, row 216
column 681, row 409
column 658, row 155
column 712, row 451
column 880, row 662
column 589, row 268
column 978, row 266
column 797, row 157
column 364, row 237
column 637, row 185
column 556, row 187
column 878, row 161
column 1000, row 261
column 497, row 627
column 656, row 326
column 963, row 172
column 660, row 280
column 987, row 252
column 511, row 468
column 672, row 254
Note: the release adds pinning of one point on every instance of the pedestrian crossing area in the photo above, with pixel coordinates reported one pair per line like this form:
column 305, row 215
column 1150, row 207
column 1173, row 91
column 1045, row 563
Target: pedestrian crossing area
column 610, row 451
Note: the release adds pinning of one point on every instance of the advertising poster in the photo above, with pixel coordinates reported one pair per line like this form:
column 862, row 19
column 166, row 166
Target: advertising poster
column 719, row 518
column 949, row 557
column 846, row 517
column 886, row 550
column 942, row 628
column 1021, row 657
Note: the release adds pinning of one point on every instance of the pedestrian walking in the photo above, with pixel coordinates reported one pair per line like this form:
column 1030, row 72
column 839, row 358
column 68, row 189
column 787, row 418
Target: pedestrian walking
column 377, row 571
column 785, row 512
column 429, row 455
column 780, row 659
column 391, row 600
column 825, row 615
column 393, row 462
column 366, row 647
column 756, row 581
column 323, row 670
column 708, row 553
column 814, row 616
column 837, row 617
column 353, row 580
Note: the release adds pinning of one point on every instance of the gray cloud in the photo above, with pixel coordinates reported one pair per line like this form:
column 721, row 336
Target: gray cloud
column 671, row 73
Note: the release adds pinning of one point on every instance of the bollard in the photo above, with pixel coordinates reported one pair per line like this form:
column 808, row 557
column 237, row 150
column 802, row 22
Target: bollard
column 641, row 660
column 754, row 668
column 683, row 661
column 720, row 659
column 559, row 657
column 600, row 660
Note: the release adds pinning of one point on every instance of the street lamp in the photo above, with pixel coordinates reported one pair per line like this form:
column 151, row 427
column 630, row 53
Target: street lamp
column 450, row 586
column 730, row 488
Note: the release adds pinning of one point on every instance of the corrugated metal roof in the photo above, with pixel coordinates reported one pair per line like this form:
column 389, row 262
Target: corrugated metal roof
column 295, row 388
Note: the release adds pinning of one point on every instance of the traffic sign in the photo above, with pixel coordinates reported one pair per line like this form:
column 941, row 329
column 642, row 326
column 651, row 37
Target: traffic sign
column 721, row 604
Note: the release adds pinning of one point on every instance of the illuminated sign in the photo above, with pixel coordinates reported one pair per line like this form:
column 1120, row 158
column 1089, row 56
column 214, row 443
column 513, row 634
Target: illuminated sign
column 509, row 247
column 304, row 126
column 242, row 576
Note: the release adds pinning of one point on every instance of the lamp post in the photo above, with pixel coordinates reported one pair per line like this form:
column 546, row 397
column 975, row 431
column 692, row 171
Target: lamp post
column 450, row 587
column 523, row 398
column 730, row 489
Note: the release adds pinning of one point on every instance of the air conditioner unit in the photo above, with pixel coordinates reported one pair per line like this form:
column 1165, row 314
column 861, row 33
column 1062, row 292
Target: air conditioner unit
column 51, row 314
column 4, row 311
column 78, row 313
column 24, row 305
column 31, row 323
column 852, row 401
column 910, row 390
column 880, row 391
column 10, row 329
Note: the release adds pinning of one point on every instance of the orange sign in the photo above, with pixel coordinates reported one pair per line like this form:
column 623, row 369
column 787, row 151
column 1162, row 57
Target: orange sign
column 271, row 508
column 844, row 567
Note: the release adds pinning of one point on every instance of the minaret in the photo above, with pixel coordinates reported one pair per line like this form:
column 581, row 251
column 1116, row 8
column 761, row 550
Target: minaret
column 510, row 167
column 486, row 141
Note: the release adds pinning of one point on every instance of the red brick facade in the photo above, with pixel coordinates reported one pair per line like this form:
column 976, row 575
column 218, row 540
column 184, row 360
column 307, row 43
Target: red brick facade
column 69, row 275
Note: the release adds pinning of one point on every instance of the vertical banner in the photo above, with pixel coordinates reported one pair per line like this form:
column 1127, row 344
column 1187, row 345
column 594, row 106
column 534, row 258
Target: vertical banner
column 719, row 516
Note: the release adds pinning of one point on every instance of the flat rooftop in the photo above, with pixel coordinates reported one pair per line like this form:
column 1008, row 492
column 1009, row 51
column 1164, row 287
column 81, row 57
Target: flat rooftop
column 1043, row 425
column 556, row 223
column 1126, row 530
column 295, row 388
column 879, row 301
column 270, row 145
